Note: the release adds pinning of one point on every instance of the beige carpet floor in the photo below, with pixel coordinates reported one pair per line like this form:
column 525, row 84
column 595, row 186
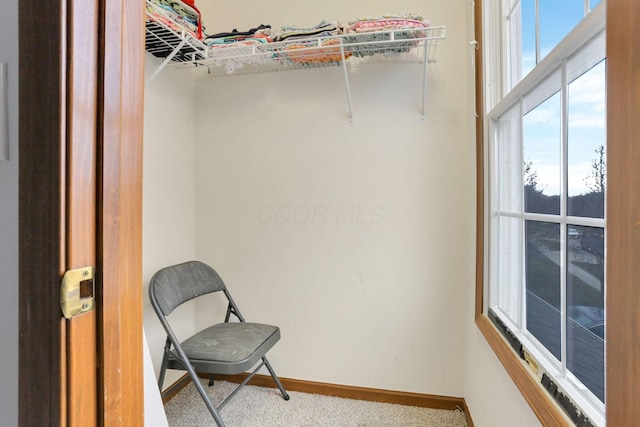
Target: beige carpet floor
column 264, row 407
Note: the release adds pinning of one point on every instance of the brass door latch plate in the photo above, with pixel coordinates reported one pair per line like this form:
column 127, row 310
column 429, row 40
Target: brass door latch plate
column 77, row 292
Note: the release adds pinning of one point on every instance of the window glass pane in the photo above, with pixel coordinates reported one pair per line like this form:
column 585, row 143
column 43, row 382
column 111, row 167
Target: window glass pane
column 510, row 268
column 528, row 59
column 594, row 3
column 587, row 141
column 585, row 306
column 557, row 19
column 541, row 142
column 542, row 264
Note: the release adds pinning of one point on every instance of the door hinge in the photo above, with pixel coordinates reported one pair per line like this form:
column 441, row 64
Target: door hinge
column 77, row 292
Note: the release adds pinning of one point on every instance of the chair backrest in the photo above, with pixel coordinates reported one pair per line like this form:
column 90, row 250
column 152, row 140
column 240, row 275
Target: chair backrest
column 177, row 284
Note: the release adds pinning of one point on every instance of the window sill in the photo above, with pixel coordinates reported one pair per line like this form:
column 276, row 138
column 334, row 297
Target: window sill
column 547, row 411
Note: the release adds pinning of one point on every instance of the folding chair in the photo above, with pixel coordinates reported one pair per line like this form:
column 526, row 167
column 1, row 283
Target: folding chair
column 224, row 348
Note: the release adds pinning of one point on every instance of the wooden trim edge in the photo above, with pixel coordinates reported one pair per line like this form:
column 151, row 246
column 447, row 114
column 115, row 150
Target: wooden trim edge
column 175, row 388
column 337, row 390
column 41, row 125
column 119, row 260
column 353, row 392
column 547, row 411
column 480, row 193
column 623, row 211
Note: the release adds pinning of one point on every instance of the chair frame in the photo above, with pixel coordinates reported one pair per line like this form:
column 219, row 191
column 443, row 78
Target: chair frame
column 181, row 361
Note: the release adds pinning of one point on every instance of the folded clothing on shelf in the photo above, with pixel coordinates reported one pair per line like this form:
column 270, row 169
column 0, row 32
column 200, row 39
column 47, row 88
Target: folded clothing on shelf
column 323, row 51
column 166, row 29
column 323, row 29
column 232, row 50
column 371, row 35
column 178, row 12
column 259, row 34
column 312, row 45
column 391, row 21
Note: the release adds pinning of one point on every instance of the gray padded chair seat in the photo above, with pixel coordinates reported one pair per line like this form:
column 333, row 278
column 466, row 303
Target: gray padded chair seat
column 232, row 345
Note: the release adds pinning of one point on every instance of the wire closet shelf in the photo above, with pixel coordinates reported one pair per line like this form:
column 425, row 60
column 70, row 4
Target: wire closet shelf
column 178, row 46
column 170, row 40
column 351, row 50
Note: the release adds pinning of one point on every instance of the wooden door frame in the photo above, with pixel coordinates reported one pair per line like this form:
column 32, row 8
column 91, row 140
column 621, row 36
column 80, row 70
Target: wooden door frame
column 623, row 213
column 46, row 51
column 120, row 261
column 40, row 221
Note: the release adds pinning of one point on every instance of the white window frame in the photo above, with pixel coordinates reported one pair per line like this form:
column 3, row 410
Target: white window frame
column 572, row 56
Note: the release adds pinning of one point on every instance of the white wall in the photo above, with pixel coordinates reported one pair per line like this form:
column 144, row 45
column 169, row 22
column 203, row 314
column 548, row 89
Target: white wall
column 328, row 230
column 492, row 397
column 168, row 190
column 9, row 226
column 347, row 237
column 154, row 415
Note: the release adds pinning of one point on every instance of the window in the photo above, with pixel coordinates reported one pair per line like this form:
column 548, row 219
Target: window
column 546, row 207
column 535, row 27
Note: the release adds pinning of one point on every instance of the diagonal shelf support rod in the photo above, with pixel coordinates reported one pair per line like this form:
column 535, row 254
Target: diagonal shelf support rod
column 166, row 61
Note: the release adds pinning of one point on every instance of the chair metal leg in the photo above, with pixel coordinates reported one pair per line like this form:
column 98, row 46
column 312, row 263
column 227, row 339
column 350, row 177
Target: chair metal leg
column 242, row 384
column 205, row 397
column 165, row 362
column 196, row 381
column 285, row 395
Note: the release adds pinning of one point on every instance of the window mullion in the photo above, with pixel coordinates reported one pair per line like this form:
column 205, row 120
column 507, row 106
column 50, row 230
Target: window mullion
column 514, row 5
column 537, row 31
column 522, row 295
column 564, row 139
column 564, row 144
column 494, row 204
